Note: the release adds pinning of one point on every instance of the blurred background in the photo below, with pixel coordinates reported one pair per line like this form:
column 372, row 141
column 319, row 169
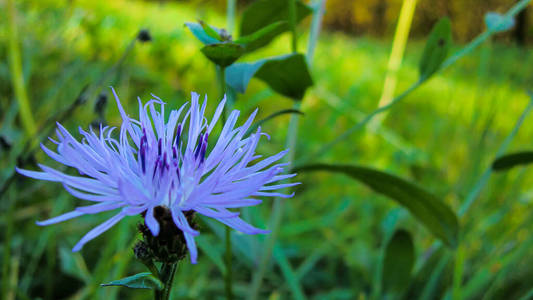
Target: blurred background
column 442, row 136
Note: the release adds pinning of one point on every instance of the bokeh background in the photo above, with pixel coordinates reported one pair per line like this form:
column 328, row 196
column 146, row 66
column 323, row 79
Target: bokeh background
column 442, row 136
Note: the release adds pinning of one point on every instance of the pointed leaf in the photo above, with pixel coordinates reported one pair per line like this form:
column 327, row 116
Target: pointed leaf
column 210, row 31
column 497, row 23
column 437, row 47
column 199, row 32
column 263, row 36
column 262, row 13
column 512, row 160
column 437, row 217
column 398, row 263
column 287, row 75
column 143, row 280
column 223, row 54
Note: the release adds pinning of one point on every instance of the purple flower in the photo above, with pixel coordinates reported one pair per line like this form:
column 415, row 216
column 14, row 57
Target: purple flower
column 158, row 162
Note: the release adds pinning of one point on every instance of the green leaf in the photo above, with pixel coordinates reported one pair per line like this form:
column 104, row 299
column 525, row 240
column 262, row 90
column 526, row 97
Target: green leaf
column 210, row 31
column 263, row 36
column 287, row 75
column 497, row 23
column 199, row 32
column 272, row 116
column 437, row 47
column 398, row 263
column 143, row 280
column 512, row 160
column 223, row 54
column 437, row 217
column 238, row 75
column 262, row 13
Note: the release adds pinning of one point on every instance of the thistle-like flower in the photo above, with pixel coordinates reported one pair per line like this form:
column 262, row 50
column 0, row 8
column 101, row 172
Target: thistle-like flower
column 158, row 162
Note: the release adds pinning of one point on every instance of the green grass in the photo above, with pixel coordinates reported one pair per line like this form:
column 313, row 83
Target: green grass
column 442, row 136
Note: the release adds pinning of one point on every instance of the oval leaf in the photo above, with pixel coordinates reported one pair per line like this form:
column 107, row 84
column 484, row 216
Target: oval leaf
column 436, row 49
column 398, row 263
column 497, row 23
column 143, row 280
column 262, row 13
column 512, row 160
column 437, row 217
column 287, row 75
column 223, row 54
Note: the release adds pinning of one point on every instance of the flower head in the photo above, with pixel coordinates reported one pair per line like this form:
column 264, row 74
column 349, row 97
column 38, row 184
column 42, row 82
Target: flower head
column 165, row 162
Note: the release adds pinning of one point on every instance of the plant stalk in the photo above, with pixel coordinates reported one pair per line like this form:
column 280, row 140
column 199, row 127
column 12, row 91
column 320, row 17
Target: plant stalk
column 291, row 141
column 292, row 25
column 395, row 60
column 228, row 286
column 17, row 77
column 229, row 276
column 168, row 270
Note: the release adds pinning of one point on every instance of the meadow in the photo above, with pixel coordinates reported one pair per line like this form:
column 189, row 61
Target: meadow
column 334, row 233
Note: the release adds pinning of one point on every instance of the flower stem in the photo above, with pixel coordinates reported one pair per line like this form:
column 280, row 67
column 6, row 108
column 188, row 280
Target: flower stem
column 291, row 142
column 229, row 276
column 168, row 270
column 292, row 25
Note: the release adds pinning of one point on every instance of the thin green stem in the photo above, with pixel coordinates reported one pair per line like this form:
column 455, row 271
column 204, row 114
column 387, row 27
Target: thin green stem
column 166, row 275
column 448, row 62
column 228, row 280
column 17, row 78
column 315, row 30
column 230, row 16
column 476, row 190
column 291, row 141
column 458, row 273
column 229, row 276
column 292, row 25
column 221, row 76
column 473, row 195
column 361, row 124
column 6, row 259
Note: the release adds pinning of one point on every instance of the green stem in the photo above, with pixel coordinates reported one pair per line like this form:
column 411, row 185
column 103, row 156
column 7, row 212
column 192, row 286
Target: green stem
column 291, row 141
column 361, row 124
column 315, row 30
column 17, row 78
column 6, row 260
column 292, row 25
column 396, row 56
column 168, row 270
column 229, row 276
column 448, row 62
column 474, row 193
column 230, row 16
column 458, row 272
